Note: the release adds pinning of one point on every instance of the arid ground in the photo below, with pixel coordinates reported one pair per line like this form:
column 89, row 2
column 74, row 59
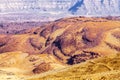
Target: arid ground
column 76, row 48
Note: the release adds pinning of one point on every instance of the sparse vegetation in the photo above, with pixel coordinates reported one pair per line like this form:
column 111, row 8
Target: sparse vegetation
column 104, row 68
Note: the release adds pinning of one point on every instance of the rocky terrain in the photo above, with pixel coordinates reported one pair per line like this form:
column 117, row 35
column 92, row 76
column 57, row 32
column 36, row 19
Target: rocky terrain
column 59, row 44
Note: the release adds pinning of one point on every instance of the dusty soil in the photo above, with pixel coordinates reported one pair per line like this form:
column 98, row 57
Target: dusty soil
column 60, row 44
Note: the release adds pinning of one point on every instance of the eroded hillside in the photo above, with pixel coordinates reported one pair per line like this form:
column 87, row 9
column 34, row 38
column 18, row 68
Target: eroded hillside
column 67, row 38
column 59, row 44
column 104, row 68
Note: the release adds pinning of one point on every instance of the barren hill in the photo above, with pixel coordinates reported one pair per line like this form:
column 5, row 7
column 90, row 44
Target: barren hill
column 78, row 38
column 59, row 44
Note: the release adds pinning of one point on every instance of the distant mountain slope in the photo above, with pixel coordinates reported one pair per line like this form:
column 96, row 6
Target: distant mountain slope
column 15, row 27
column 96, row 8
column 56, row 9
column 76, row 6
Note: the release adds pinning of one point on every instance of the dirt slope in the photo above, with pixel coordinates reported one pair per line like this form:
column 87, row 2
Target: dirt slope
column 104, row 68
column 59, row 44
column 18, row 65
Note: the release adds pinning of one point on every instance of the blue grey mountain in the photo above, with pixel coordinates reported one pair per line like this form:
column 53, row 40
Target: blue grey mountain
column 76, row 7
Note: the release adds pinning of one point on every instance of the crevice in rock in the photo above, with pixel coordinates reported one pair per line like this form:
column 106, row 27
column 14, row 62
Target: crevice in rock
column 57, row 43
column 86, row 40
column 2, row 44
column 85, row 55
column 48, row 41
